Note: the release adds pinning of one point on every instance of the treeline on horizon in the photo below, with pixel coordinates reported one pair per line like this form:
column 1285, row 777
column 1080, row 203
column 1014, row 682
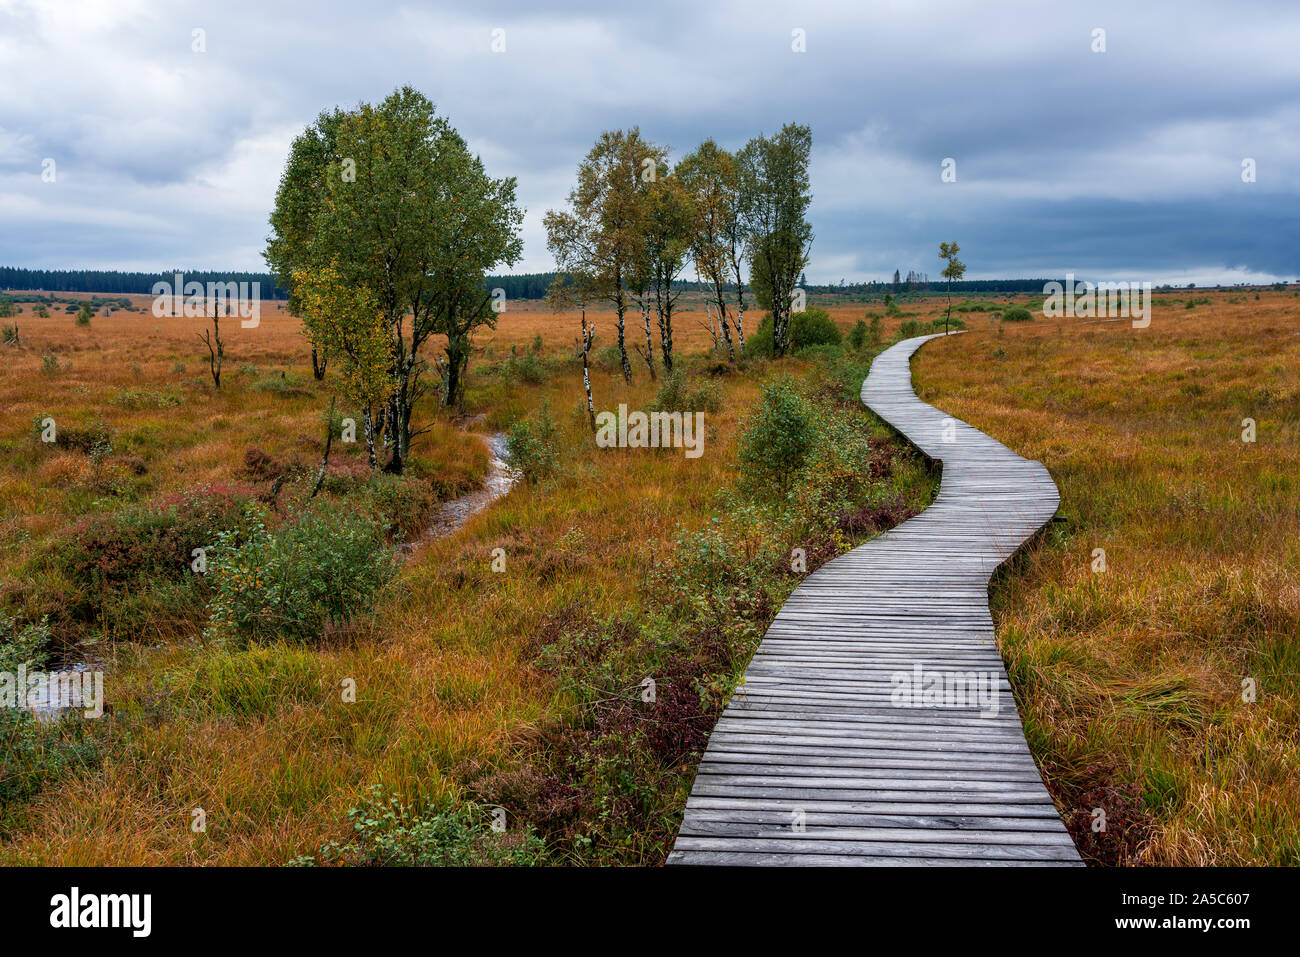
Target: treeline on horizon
column 521, row 286
column 125, row 283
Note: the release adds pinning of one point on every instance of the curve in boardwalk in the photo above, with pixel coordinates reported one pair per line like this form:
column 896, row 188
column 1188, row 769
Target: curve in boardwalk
column 824, row 755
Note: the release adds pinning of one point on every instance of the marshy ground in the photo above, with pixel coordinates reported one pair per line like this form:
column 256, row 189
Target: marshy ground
column 504, row 664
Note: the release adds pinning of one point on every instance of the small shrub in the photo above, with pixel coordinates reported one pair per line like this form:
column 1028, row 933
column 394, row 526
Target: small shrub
column 953, row 322
column 10, row 334
column 323, row 569
column 112, row 557
column 534, row 448
column 858, row 337
column 392, row 834
column 676, row 395
column 759, row 343
column 526, row 368
column 971, row 306
column 261, row 466
column 776, row 439
column 400, row 504
column 136, row 399
column 812, row 327
column 1017, row 314
column 285, row 385
column 94, row 439
column 608, row 358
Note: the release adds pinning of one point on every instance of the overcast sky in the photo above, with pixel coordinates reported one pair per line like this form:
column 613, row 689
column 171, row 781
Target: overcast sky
column 1125, row 164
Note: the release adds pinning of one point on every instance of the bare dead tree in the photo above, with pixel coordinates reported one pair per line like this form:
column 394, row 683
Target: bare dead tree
column 216, row 349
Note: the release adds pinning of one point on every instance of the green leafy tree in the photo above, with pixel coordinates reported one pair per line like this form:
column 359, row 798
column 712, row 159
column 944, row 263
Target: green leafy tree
column 391, row 198
column 775, row 195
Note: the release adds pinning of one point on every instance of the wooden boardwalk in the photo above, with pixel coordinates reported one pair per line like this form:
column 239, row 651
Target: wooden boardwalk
column 836, row 749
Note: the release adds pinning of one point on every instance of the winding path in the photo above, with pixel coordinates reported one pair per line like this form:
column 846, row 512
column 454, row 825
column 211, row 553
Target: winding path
column 835, row 749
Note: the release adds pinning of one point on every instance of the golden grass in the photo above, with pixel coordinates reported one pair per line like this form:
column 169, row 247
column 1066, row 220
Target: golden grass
column 261, row 739
column 1130, row 681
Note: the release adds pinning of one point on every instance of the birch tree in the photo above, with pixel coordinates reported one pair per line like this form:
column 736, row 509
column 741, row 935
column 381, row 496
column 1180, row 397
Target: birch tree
column 709, row 177
column 602, row 230
column 954, row 269
column 774, row 199
column 576, row 289
column 666, row 232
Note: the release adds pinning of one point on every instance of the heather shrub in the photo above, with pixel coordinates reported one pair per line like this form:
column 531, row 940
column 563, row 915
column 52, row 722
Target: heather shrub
column 400, row 504
column 113, row 559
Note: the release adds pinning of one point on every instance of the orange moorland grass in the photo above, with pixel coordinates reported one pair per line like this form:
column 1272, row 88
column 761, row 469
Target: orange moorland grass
column 261, row 739
column 1134, row 682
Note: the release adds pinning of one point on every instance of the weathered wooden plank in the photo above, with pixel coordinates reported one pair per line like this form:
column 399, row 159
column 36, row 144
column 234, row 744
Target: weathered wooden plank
column 825, row 731
column 886, row 848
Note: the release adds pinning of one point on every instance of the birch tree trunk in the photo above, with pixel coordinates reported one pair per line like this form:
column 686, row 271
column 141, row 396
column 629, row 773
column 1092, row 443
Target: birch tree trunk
column 588, row 333
column 649, row 345
column 666, row 341
column 726, row 329
column 740, row 300
column 620, row 305
column 325, row 459
column 368, row 421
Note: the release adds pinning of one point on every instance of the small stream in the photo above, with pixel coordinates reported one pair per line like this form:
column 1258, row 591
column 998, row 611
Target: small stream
column 501, row 478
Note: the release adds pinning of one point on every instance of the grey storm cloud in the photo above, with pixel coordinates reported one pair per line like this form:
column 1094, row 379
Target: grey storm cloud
column 1119, row 164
